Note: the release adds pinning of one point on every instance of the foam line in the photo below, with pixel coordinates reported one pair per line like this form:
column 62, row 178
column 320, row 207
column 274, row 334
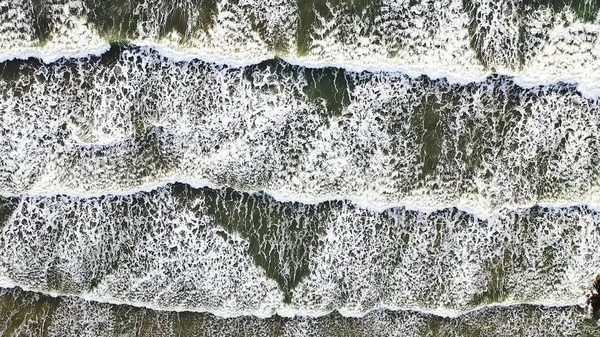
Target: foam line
column 587, row 85
column 308, row 199
column 290, row 312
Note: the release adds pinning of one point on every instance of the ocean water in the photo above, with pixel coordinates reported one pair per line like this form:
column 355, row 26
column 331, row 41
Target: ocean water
column 299, row 168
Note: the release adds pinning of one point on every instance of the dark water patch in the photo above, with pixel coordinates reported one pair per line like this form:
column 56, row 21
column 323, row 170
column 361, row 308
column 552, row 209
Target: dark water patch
column 330, row 85
column 120, row 20
column 42, row 23
column 584, row 9
column 426, row 121
column 115, row 19
column 7, row 207
column 495, row 288
column 15, row 70
column 491, row 47
column 324, row 87
column 25, row 314
column 338, row 10
column 282, row 236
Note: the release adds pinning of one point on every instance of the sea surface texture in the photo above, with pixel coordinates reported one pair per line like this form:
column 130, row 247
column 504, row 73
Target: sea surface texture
column 299, row 167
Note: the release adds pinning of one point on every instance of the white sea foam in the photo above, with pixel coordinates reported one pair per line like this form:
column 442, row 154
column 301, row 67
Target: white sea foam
column 586, row 84
column 260, row 128
column 70, row 36
column 93, row 147
column 473, row 209
column 425, row 41
column 162, row 251
column 307, row 199
column 75, row 316
column 49, row 54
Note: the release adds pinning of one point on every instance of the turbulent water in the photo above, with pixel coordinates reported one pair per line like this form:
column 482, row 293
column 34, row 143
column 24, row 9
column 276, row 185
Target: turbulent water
column 299, row 168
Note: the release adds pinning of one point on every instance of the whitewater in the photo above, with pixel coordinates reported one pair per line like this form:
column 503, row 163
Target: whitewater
column 298, row 168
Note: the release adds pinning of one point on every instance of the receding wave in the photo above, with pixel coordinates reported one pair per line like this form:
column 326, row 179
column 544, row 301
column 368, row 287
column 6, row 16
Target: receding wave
column 233, row 253
column 540, row 41
column 29, row 313
column 133, row 118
